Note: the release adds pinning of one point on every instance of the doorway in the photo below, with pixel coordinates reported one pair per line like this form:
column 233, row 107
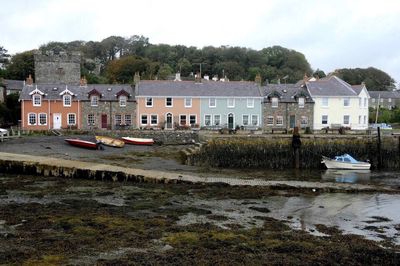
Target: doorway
column 57, row 121
column 169, row 121
column 292, row 121
column 231, row 121
column 103, row 121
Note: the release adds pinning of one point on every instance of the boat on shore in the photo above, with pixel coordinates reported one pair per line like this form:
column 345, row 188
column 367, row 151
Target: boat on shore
column 112, row 142
column 83, row 143
column 346, row 162
column 138, row 141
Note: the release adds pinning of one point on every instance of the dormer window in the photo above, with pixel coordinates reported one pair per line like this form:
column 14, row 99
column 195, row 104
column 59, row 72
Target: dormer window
column 274, row 101
column 301, row 102
column 37, row 100
column 94, row 100
column 67, row 100
column 122, row 101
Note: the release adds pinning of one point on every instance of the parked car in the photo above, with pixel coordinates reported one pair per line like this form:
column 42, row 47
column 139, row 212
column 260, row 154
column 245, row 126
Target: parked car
column 381, row 125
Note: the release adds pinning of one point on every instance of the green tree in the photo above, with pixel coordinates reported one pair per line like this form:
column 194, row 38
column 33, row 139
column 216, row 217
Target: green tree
column 374, row 79
column 21, row 66
column 164, row 71
column 319, row 73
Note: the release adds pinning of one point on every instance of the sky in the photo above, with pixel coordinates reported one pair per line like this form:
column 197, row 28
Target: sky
column 331, row 34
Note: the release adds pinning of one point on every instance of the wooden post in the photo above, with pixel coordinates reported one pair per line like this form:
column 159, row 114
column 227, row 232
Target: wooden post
column 296, row 144
column 379, row 149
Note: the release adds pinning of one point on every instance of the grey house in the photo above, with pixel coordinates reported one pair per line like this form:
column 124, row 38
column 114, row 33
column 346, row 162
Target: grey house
column 386, row 99
column 287, row 106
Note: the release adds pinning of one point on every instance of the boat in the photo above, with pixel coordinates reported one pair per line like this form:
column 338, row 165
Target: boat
column 110, row 141
column 3, row 131
column 345, row 161
column 83, row 143
column 138, row 141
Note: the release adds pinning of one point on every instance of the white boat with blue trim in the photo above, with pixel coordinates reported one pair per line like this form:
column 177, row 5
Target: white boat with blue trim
column 345, row 161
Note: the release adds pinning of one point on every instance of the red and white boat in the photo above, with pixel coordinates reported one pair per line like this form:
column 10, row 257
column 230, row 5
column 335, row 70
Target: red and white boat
column 83, row 143
column 138, row 141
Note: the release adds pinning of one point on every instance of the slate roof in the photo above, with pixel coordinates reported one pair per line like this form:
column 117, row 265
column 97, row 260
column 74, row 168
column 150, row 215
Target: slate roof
column 288, row 92
column 205, row 89
column 385, row 94
column 16, row 85
column 108, row 92
column 330, row 86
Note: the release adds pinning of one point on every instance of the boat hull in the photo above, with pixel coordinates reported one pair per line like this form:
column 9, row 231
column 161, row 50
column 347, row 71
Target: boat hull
column 332, row 164
column 138, row 141
column 82, row 143
column 117, row 143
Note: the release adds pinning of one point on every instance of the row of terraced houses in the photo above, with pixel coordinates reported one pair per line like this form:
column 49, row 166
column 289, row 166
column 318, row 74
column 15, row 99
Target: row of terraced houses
column 201, row 104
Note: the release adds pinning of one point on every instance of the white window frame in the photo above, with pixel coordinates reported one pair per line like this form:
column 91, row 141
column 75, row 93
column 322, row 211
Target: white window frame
column 270, row 120
column 344, row 120
column 118, row 118
column 365, row 102
column 180, row 119
column 322, row 119
column 29, row 120
column 91, row 123
column 346, row 100
column 215, row 102
column 68, row 116
column 230, row 102
column 190, row 119
column 304, row 119
column 389, row 100
column 128, row 122
column 365, row 120
column 219, row 119
column 147, row 100
column 37, row 97
column 274, row 102
column 186, row 102
column 45, row 119
column 141, row 119
column 94, row 102
column 65, row 97
column 325, row 102
column 256, row 119
column 360, row 102
column 302, row 102
column 373, row 100
column 151, row 119
column 205, row 119
column 359, row 119
column 250, row 102
column 279, row 120
column 243, row 120
column 166, row 102
column 122, row 100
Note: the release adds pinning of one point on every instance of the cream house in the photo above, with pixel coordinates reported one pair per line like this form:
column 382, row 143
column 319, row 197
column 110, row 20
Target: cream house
column 337, row 103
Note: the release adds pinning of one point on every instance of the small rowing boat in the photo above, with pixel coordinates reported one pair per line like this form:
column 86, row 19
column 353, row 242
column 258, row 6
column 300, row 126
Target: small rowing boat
column 110, row 141
column 83, row 143
column 138, row 141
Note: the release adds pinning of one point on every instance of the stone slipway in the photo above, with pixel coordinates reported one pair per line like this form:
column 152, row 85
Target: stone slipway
column 39, row 165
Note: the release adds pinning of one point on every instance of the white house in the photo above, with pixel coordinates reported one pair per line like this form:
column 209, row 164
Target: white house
column 339, row 103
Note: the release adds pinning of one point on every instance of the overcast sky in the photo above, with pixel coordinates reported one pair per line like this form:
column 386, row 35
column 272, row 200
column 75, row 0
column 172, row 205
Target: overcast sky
column 331, row 34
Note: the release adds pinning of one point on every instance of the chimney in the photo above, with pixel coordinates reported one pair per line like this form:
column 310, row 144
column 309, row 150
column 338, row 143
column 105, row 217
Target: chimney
column 258, row 79
column 305, row 78
column 197, row 78
column 83, row 82
column 177, row 77
column 206, row 77
column 278, row 81
column 136, row 78
column 29, row 80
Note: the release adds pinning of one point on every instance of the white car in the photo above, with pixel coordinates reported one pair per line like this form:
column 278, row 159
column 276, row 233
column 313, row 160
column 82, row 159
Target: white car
column 3, row 132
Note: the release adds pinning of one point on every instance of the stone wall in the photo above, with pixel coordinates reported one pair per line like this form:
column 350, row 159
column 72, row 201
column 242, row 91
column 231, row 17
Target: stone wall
column 61, row 68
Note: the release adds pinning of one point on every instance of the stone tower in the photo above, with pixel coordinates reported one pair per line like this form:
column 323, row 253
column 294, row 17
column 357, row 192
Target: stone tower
column 62, row 67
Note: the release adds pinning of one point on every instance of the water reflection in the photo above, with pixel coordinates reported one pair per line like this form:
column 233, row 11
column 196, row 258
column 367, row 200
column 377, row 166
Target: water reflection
column 347, row 176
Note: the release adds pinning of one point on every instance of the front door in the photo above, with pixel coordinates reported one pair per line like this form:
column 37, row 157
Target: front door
column 292, row 120
column 103, row 121
column 230, row 121
column 56, row 121
column 168, row 124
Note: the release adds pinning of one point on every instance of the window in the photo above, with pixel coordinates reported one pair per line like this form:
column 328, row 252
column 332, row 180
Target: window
column 188, row 102
column 301, row 102
column 245, row 120
column 212, row 102
column 381, row 100
column 270, row 120
column 359, row 102
column 304, row 121
column 250, row 103
column 182, row 120
column 359, row 119
column 207, row 120
column 254, row 120
column 31, row 119
column 325, row 102
column 94, row 100
column 365, row 119
column 192, row 119
column 143, row 120
column 389, row 100
column 346, row 119
column 231, row 102
column 324, row 119
column 37, row 100
column 346, row 102
column 274, row 102
column 67, row 100
column 168, row 102
column 373, row 100
column 118, row 120
column 217, row 120
column 279, row 120
column 122, row 101
column 42, row 119
column 365, row 102
column 128, row 120
column 149, row 102
column 71, row 119
column 90, row 119
column 154, row 119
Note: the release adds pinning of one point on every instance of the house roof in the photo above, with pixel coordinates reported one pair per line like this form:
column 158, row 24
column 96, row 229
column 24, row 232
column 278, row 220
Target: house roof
column 385, row 94
column 206, row 88
column 330, row 86
column 287, row 92
column 52, row 91
column 14, row 84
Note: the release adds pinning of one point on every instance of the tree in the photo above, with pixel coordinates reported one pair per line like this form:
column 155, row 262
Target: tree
column 122, row 70
column 374, row 79
column 164, row 71
column 4, row 56
column 21, row 66
column 319, row 73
